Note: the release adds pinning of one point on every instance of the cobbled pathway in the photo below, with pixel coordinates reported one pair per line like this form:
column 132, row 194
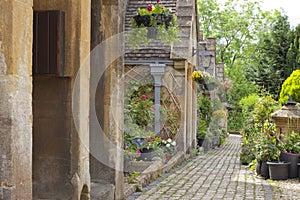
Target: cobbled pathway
column 215, row 175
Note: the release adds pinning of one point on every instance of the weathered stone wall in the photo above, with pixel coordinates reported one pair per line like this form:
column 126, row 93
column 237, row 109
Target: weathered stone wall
column 15, row 99
column 106, row 141
column 68, row 105
column 51, row 137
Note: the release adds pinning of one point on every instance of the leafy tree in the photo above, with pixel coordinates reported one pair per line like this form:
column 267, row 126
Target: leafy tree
column 235, row 26
column 277, row 56
column 262, row 110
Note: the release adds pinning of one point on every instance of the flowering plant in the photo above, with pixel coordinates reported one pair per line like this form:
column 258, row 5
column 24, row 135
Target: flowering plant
column 169, row 146
column 152, row 142
column 291, row 143
column 267, row 145
column 154, row 9
column 131, row 153
column 153, row 21
column 197, row 76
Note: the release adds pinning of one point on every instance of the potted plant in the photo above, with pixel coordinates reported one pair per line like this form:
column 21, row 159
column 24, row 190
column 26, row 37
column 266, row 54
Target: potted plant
column 201, row 132
column 148, row 147
column 169, row 147
column 267, row 149
column 154, row 21
column 291, row 152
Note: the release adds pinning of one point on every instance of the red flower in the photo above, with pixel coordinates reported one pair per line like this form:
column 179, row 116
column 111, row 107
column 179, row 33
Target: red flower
column 158, row 1
column 149, row 7
column 144, row 96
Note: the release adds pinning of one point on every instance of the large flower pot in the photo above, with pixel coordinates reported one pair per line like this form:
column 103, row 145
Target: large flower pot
column 258, row 167
column 264, row 170
column 299, row 171
column 294, row 159
column 147, row 154
column 278, row 170
column 200, row 142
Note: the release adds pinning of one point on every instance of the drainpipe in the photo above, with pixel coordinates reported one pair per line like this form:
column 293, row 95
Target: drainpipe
column 157, row 70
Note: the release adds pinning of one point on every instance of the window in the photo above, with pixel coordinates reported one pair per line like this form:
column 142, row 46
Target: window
column 48, row 42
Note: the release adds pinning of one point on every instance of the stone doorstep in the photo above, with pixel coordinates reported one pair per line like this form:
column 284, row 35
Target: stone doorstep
column 101, row 191
column 153, row 171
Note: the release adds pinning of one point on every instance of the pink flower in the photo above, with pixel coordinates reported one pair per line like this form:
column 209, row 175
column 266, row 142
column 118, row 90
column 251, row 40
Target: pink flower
column 149, row 7
column 144, row 96
column 138, row 152
column 126, row 147
column 129, row 153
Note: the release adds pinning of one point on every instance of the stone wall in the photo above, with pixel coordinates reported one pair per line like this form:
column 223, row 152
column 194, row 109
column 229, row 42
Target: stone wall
column 107, row 94
column 62, row 103
column 15, row 99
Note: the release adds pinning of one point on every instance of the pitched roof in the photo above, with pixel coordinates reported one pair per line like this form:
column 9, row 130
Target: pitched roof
column 155, row 50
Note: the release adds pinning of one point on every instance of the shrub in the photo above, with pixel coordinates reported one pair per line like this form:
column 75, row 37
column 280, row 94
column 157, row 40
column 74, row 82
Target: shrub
column 291, row 87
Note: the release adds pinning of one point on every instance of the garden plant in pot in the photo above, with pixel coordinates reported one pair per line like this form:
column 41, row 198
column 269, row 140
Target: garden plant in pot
column 268, row 154
column 153, row 22
column 291, row 152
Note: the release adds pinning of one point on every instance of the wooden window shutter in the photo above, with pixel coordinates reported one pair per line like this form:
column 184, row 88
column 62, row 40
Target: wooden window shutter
column 48, row 42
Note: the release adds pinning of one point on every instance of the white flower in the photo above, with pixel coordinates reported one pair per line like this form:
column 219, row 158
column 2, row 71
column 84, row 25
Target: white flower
column 169, row 140
column 173, row 143
column 168, row 145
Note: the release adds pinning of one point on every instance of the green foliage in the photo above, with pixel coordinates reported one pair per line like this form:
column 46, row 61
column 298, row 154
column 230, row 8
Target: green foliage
column 138, row 36
column 204, row 108
column 247, row 104
column 267, row 145
column 291, row 87
column 235, row 25
column 132, row 178
column 236, row 120
column 291, row 143
column 262, row 110
column 277, row 56
column 166, row 30
column 204, row 115
column 248, row 152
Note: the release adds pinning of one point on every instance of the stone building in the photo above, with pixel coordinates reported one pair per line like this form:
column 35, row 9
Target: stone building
column 45, row 97
column 176, row 62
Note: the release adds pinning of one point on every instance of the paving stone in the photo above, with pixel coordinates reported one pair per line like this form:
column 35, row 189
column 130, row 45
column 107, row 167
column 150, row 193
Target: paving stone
column 216, row 175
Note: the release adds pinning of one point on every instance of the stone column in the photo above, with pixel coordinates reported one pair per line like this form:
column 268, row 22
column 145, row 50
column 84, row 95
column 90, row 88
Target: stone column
column 157, row 70
column 15, row 99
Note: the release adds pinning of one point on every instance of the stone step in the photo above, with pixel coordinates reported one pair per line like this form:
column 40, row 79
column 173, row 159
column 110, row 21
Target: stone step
column 102, row 191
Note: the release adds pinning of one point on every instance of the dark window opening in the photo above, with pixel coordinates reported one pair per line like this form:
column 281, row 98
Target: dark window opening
column 48, row 42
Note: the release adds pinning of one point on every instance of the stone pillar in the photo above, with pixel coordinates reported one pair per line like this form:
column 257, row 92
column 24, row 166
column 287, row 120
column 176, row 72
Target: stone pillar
column 15, row 99
column 106, row 111
column 157, row 70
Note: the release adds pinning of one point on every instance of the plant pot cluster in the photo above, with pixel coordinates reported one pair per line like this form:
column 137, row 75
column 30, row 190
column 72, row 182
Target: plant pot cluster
column 277, row 157
column 287, row 168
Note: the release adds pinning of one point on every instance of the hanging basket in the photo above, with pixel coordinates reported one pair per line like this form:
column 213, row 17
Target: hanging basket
column 142, row 20
column 210, row 86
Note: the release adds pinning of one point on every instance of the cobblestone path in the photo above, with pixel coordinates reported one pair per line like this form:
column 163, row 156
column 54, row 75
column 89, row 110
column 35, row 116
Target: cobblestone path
column 216, row 175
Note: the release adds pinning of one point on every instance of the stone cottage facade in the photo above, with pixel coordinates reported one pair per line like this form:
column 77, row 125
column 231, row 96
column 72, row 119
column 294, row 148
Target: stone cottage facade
column 45, row 98
column 177, row 63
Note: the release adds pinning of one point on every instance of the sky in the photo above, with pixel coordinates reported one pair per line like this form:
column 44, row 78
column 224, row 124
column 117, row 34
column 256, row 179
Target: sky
column 291, row 8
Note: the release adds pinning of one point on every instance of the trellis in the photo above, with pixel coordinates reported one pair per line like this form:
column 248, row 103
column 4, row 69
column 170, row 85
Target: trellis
column 170, row 104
